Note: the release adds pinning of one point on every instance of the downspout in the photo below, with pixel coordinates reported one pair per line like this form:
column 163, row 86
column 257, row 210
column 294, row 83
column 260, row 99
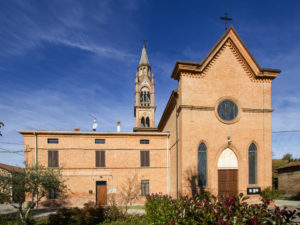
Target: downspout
column 35, row 148
column 168, row 166
column 177, row 169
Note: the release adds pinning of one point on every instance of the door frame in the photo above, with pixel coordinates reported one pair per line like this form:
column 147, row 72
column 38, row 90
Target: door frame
column 237, row 180
column 233, row 148
column 99, row 183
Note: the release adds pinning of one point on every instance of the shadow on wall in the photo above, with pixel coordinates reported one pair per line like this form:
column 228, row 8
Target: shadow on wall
column 191, row 178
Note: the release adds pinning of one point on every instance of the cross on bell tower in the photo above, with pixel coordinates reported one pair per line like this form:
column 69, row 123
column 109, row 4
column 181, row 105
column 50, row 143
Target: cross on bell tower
column 144, row 109
column 226, row 18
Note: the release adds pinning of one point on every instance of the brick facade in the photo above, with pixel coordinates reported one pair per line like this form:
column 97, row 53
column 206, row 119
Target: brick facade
column 228, row 72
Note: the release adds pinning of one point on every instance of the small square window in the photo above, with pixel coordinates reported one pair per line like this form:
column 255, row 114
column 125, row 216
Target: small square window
column 144, row 142
column 52, row 140
column 99, row 141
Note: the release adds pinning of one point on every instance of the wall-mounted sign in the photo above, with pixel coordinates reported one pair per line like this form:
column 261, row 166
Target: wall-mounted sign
column 253, row 191
column 113, row 190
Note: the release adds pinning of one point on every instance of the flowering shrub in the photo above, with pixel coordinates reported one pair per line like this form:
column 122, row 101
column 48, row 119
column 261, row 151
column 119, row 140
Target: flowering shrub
column 162, row 209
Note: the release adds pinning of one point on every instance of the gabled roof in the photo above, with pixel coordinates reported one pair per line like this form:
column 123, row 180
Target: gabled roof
column 9, row 167
column 168, row 109
column 229, row 35
column 291, row 164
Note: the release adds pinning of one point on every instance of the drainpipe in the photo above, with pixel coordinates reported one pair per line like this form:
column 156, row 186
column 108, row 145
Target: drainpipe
column 168, row 166
column 35, row 148
column 177, row 169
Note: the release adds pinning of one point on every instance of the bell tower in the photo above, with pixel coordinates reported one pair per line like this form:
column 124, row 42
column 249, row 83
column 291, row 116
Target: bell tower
column 144, row 109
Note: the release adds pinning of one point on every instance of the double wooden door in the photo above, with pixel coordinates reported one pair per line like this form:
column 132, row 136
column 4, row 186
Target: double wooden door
column 101, row 193
column 228, row 182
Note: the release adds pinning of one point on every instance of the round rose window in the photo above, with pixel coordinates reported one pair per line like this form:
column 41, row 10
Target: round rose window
column 227, row 110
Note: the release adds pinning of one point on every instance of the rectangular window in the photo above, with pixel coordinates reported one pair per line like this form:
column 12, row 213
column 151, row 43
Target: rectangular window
column 145, row 187
column 99, row 141
column 100, row 158
column 145, row 158
column 52, row 140
column 52, row 158
column 144, row 142
column 53, row 194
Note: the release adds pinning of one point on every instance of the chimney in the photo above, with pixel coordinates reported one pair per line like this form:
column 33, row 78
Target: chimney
column 77, row 129
column 118, row 126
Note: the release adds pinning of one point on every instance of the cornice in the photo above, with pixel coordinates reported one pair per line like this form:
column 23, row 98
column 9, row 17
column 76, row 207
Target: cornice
column 212, row 108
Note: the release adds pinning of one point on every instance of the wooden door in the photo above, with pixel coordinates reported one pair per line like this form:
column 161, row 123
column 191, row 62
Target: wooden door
column 228, row 182
column 101, row 193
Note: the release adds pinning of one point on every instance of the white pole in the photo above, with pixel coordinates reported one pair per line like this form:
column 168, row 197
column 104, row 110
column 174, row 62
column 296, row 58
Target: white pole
column 168, row 167
column 36, row 196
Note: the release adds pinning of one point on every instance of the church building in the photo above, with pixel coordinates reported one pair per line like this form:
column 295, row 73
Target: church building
column 215, row 134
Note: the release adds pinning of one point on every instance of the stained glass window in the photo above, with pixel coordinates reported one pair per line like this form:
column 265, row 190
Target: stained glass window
column 227, row 110
column 202, row 165
column 252, row 155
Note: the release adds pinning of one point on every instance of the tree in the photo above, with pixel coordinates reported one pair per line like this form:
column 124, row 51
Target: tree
column 288, row 157
column 1, row 124
column 35, row 182
column 129, row 192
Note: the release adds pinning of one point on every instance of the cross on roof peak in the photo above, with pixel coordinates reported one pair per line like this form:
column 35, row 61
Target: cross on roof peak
column 144, row 42
column 226, row 18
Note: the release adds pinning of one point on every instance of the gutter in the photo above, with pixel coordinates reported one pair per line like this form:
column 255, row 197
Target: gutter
column 35, row 148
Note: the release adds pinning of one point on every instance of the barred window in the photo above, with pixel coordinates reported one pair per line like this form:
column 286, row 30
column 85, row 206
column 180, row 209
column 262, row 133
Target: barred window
column 202, row 165
column 145, row 187
column 53, row 194
column 252, row 155
column 53, row 158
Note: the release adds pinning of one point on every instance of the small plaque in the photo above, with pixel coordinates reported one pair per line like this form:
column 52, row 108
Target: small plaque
column 113, row 190
column 253, row 191
column 90, row 192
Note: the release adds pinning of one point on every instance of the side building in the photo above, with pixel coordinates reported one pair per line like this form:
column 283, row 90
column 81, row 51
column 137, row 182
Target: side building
column 215, row 134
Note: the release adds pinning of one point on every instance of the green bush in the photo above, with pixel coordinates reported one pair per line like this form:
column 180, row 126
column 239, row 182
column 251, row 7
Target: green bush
column 162, row 209
column 88, row 215
column 269, row 194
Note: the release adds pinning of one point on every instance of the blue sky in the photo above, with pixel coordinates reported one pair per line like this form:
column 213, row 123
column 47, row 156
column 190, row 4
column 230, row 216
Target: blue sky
column 61, row 61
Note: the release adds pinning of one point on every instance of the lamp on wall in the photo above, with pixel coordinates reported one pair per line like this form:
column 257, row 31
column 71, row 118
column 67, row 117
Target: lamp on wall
column 229, row 140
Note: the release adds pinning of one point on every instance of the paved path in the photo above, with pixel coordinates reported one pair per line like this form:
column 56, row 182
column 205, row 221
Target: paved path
column 282, row 203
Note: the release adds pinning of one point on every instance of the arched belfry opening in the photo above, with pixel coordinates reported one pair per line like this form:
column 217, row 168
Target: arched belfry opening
column 228, row 173
column 147, row 122
column 143, row 122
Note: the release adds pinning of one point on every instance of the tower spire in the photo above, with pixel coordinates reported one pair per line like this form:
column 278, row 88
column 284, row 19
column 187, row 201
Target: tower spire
column 144, row 58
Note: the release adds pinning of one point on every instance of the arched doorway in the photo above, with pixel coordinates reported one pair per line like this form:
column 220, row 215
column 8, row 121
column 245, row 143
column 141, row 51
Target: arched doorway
column 228, row 173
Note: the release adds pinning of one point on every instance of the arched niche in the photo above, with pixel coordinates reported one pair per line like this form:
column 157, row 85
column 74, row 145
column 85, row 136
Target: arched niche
column 227, row 160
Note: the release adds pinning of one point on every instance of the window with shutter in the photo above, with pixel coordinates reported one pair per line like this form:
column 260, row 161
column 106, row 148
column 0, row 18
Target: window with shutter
column 53, row 159
column 145, row 190
column 145, row 158
column 100, row 158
